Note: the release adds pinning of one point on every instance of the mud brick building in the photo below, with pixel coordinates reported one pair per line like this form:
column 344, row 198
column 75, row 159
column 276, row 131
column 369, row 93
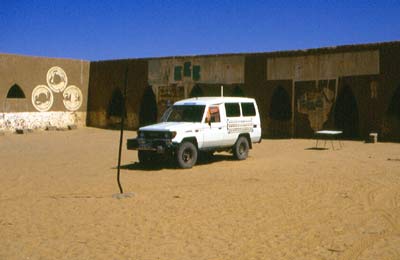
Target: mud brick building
column 355, row 88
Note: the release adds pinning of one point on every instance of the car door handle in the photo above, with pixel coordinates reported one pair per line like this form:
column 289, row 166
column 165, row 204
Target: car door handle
column 220, row 128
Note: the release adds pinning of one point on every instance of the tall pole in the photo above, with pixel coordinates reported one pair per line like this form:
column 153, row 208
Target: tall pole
column 122, row 132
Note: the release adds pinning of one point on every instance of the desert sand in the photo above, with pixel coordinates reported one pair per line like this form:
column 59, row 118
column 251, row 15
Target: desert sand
column 286, row 201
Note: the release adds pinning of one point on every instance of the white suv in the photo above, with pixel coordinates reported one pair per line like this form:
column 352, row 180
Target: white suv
column 200, row 125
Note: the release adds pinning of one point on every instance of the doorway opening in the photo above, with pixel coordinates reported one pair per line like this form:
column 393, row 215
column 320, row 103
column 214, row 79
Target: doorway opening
column 280, row 113
column 148, row 108
column 346, row 114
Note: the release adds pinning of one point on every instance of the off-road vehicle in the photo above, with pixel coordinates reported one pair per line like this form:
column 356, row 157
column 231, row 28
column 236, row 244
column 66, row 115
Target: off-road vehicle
column 200, row 125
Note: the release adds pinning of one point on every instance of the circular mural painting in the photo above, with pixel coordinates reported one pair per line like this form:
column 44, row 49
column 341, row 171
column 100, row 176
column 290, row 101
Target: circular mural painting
column 57, row 79
column 42, row 98
column 72, row 98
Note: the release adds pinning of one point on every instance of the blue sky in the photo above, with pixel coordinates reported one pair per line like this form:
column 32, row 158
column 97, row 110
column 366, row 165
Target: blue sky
column 100, row 30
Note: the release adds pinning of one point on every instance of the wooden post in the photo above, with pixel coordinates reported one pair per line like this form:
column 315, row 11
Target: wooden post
column 122, row 133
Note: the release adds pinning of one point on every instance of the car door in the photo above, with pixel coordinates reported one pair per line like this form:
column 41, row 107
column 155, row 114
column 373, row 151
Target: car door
column 214, row 127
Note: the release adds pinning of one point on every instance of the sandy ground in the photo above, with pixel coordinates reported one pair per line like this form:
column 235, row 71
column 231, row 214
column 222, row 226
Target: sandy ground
column 284, row 202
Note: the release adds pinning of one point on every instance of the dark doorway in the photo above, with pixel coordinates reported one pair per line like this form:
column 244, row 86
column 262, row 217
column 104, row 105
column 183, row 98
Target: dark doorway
column 15, row 100
column 196, row 92
column 394, row 107
column 346, row 113
column 391, row 128
column 280, row 108
column 237, row 92
column 15, row 92
column 116, row 104
column 280, row 113
column 148, row 108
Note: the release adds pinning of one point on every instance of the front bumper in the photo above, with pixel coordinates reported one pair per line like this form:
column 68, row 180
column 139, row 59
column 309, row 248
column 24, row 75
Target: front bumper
column 158, row 145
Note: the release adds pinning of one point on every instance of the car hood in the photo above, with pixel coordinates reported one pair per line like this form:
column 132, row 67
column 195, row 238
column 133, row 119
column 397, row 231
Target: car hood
column 170, row 126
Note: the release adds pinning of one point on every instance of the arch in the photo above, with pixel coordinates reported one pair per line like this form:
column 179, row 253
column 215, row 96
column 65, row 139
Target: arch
column 15, row 91
column 237, row 92
column 346, row 116
column 115, row 106
column 280, row 108
column 391, row 122
column 393, row 110
column 280, row 114
column 197, row 91
column 148, row 108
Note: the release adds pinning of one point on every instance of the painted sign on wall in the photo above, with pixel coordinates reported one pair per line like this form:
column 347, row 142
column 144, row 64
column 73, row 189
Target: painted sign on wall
column 57, row 81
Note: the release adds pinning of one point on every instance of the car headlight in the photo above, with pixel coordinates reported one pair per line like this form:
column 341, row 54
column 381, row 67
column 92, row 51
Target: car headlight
column 169, row 135
column 141, row 134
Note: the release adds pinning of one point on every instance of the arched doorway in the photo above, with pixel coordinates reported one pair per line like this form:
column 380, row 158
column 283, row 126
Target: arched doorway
column 115, row 106
column 394, row 107
column 196, row 92
column 280, row 113
column 15, row 100
column 346, row 113
column 148, row 108
column 391, row 128
column 15, row 92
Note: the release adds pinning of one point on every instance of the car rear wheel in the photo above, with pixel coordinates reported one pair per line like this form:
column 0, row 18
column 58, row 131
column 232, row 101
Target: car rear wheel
column 241, row 148
column 186, row 155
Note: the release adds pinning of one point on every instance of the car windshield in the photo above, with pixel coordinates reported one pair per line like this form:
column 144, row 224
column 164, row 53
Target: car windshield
column 184, row 113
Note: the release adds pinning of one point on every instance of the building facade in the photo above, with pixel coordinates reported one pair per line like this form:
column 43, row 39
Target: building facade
column 36, row 92
column 353, row 88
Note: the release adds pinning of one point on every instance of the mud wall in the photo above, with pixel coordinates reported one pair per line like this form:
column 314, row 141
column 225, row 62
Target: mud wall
column 352, row 88
column 38, row 92
column 176, row 78
column 107, row 79
column 313, row 80
column 387, row 103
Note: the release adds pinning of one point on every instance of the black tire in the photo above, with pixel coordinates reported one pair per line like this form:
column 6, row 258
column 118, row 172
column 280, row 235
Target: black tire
column 186, row 155
column 145, row 157
column 241, row 148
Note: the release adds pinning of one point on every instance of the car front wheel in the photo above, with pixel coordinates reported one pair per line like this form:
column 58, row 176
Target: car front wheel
column 186, row 155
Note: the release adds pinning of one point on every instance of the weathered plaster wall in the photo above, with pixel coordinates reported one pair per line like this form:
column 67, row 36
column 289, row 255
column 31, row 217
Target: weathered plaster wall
column 314, row 78
column 388, row 124
column 173, row 78
column 55, row 92
column 109, row 76
column 310, row 83
column 323, row 66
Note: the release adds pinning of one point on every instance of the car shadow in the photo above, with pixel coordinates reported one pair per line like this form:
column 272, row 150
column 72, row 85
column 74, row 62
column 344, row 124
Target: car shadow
column 161, row 165
column 317, row 148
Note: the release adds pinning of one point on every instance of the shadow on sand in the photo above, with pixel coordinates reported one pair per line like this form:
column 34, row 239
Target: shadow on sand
column 317, row 148
column 167, row 164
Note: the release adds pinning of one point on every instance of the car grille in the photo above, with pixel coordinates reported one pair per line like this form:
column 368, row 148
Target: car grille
column 154, row 135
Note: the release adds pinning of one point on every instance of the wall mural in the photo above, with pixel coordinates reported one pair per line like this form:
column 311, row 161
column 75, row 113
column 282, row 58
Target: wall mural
column 42, row 98
column 72, row 98
column 172, row 79
column 57, row 81
column 316, row 104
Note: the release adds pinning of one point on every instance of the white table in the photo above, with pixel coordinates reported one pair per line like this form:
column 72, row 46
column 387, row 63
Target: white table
column 328, row 135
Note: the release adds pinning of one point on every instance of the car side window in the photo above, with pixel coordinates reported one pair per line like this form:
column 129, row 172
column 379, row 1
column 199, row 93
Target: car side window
column 248, row 109
column 232, row 109
column 213, row 115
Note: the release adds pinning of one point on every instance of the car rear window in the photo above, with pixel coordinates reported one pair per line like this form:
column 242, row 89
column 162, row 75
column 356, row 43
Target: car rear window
column 232, row 109
column 248, row 109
